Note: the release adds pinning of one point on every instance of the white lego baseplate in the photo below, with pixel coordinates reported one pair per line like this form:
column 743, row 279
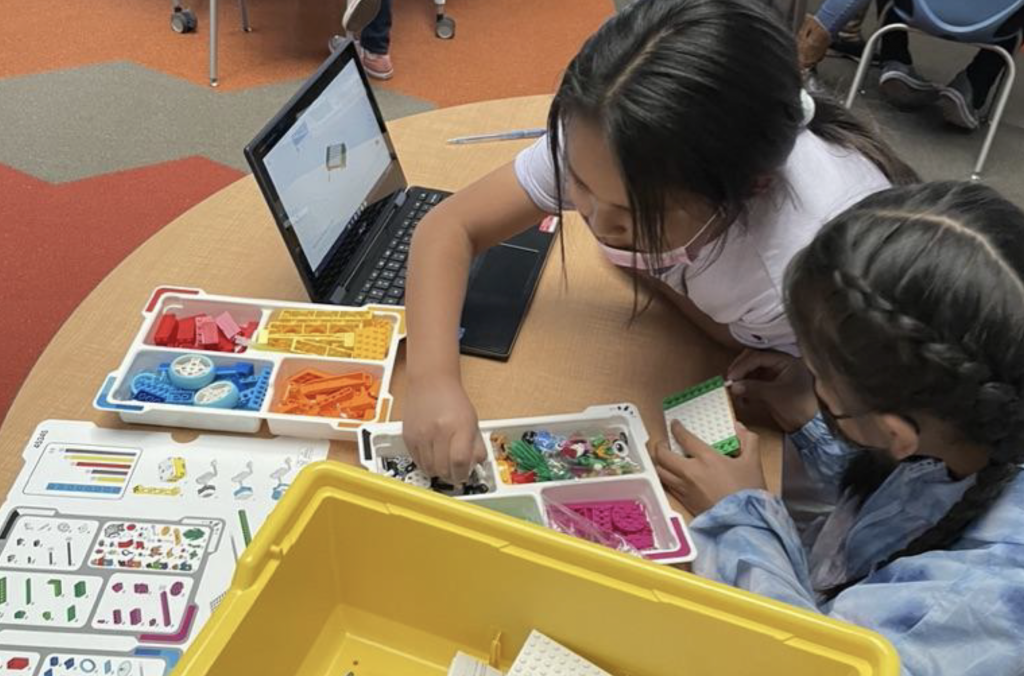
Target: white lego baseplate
column 705, row 410
column 541, row 656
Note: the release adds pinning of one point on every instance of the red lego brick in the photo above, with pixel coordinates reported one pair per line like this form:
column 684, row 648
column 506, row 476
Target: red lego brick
column 224, row 344
column 17, row 663
column 166, row 329
column 249, row 329
column 186, row 332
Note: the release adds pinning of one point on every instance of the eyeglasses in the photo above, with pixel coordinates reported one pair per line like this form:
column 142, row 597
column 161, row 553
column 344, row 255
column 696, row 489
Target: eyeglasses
column 832, row 418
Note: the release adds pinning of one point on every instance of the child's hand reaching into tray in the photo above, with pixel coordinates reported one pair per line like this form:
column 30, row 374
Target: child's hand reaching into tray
column 442, row 432
column 706, row 476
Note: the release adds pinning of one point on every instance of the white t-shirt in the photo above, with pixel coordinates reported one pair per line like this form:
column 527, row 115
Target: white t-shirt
column 740, row 283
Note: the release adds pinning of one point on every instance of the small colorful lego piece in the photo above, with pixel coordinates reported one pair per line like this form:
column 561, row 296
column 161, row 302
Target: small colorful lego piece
column 227, row 324
column 194, row 380
column 191, row 372
column 625, row 519
column 218, row 394
column 166, row 329
column 541, row 456
column 207, row 333
column 186, row 333
column 252, row 398
column 314, row 393
column 404, row 469
column 201, row 331
column 349, row 334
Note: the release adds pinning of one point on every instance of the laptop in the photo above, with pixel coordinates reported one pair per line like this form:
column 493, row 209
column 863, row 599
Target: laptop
column 331, row 177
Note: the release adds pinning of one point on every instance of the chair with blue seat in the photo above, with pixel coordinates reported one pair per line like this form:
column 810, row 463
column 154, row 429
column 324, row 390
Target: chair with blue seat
column 975, row 23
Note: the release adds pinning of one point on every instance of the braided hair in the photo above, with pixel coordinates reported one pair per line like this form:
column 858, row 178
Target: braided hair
column 913, row 301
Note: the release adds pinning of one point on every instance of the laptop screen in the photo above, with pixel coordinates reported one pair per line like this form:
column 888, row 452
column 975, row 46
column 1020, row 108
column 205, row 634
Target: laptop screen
column 327, row 165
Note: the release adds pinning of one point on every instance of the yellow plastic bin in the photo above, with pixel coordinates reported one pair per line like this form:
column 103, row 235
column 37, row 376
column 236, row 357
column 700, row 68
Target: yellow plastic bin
column 359, row 573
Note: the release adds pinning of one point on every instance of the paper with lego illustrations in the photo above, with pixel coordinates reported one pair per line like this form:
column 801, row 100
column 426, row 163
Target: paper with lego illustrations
column 116, row 545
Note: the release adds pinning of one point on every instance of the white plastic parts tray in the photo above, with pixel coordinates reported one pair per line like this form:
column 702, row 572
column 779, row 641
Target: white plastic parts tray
column 145, row 354
column 379, row 443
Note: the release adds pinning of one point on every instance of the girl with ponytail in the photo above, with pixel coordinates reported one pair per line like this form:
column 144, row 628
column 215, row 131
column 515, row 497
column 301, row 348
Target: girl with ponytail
column 682, row 135
column 909, row 310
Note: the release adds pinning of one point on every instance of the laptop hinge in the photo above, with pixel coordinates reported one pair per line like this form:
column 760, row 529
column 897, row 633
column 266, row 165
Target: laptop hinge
column 376, row 229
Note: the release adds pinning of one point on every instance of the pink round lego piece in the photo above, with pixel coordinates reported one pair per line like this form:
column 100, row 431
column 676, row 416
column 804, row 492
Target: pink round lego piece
column 603, row 518
column 629, row 518
column 582, row 510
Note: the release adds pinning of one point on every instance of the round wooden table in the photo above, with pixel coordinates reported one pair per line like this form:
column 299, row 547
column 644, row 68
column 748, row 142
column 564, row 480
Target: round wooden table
column 577, row 348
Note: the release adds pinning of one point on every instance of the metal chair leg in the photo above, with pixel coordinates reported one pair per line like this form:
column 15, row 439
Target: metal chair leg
column 213, row 43
column 444, row 26
column 245, row 16
column 867, row 56
column 1000, row 106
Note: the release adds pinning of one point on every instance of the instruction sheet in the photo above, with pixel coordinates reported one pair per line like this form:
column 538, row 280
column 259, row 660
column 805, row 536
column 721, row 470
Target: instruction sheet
column 117, row 545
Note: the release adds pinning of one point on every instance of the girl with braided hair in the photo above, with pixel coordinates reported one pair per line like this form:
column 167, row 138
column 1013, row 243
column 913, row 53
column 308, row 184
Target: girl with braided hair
column 909, row 310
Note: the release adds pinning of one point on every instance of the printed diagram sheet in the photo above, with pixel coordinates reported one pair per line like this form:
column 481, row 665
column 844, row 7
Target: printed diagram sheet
column 116, row 545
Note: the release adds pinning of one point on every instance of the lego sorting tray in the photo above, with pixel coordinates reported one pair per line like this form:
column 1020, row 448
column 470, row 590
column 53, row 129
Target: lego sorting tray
column 666, row 536
column 241, row 346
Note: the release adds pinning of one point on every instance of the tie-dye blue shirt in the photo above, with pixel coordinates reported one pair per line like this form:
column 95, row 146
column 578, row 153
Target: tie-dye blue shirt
column 957, row 611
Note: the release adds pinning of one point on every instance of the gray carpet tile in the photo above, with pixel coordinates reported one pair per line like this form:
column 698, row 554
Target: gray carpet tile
column 71, row 124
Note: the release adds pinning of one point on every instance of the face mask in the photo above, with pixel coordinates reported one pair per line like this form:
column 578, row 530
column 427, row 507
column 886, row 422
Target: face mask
column 625, row 258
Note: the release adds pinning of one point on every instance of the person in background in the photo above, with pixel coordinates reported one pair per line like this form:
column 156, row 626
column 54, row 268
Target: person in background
column 961, row 101
column 371, row 20
column 836, row 26
column 375, row 44
column 849, row 41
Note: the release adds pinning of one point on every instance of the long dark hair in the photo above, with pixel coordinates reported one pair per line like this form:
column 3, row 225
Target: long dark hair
column 912, row 301
column 698, row 95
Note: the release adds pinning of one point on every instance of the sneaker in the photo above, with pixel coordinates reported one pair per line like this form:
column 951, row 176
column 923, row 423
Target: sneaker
column 956, row 101
column 377, row 66
column 904, row 88
column 358, row 14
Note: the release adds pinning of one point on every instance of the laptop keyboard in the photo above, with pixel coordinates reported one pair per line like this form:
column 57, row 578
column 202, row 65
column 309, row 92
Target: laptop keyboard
column 353, row 238
column 386, row 283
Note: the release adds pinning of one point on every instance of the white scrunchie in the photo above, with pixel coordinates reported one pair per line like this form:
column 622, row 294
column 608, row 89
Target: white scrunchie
column 807, row 104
